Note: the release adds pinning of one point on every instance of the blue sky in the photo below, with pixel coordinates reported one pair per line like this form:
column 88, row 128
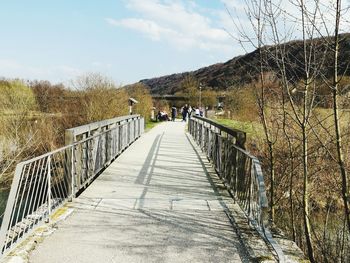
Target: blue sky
column 126, row 40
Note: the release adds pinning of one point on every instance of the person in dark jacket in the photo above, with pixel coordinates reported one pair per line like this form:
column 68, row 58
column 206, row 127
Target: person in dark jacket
column 173, row 113
column 184, row 112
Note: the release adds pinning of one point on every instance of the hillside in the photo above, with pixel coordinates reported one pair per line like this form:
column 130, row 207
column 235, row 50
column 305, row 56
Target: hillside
column 242, row 69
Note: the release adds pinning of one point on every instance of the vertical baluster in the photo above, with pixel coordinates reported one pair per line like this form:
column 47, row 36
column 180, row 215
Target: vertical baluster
column 49, row 186
column 236, row 170
column 107, row 136
column 27, row 175
column 250, row 189
column 73, row 169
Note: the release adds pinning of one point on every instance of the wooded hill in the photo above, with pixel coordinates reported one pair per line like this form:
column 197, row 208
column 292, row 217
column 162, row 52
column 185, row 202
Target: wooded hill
column 244, row 69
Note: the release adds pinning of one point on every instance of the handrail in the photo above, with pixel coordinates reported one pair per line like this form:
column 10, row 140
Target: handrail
column 99, row 124
column 43, row 184
column 70, row 145
column 240, row 171
column 240, row 136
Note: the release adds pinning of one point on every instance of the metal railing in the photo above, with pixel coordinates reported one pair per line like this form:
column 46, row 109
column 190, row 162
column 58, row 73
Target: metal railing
column 240, row 171
column 43, row 184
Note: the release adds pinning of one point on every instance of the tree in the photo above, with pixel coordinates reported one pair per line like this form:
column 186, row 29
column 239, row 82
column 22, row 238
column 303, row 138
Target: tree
column 17, row 136
column 313, row 147
column 50, row 98
column 335, row 88
column 141, row 93
column 190, row 89
column 337, row 127
column 209, row 98
column 258, row 19
column 16, row 96
column 101, row 98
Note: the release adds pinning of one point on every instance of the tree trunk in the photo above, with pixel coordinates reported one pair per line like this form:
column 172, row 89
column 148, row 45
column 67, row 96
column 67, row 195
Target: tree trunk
column 291, row 203
column 272, row 179
column 306, row 213
column 338, row 134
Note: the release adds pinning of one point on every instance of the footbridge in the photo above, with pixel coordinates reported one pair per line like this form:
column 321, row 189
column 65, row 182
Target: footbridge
column 181, row 192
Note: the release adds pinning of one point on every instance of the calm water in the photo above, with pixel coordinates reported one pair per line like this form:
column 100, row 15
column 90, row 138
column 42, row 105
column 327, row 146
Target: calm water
column 3, row 200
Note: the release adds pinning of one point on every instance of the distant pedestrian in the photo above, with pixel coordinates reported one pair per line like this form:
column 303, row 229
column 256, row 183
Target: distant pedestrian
column 173, row 113
column 197, row 112
column 184, row 112
column 189, row 112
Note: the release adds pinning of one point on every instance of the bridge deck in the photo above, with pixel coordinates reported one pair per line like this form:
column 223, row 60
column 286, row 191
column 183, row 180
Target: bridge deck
column 155, row 203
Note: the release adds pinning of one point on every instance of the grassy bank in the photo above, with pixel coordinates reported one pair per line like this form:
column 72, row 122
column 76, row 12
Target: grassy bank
column 254, row 130
column 150, row 124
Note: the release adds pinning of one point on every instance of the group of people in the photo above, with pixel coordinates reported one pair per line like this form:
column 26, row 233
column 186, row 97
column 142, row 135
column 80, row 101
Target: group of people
column 186, row 112
column 162, row 116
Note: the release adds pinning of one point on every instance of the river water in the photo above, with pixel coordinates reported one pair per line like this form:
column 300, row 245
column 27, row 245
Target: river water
column 3, row 200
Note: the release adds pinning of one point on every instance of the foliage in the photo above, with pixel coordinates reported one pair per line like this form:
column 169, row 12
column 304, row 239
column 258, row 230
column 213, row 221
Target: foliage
column 100, row 98
column 325, row 195
column 241, row 102
column 17, row 138
column 141, row 94
column 33, row 117
column 209, row 98
column 190, row 89
column 195, row 94
column 50, row 98
column 162, row 105
column 253, row 130
column 16, row 96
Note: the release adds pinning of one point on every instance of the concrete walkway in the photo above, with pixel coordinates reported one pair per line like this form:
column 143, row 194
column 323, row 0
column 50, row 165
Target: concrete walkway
column 154, row 203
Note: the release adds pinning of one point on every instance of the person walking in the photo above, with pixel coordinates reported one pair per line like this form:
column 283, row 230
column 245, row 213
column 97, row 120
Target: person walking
column 184, row 112
column 197, row 112
column 189, row 112
column 173, row 113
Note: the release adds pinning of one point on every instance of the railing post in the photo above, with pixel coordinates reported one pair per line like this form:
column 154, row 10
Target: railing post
column 197, row 132
column 70, row 139
column 134, row 122
column 250, row 189
column 49, row 187
column 85, row 162
column 139, row 122
column 209, row 141
column 219, row 152
column 11, row 201
column 73, row 172
column 202, row 135
column 107, row 159
column 127, row 132
column 236, row 171
column 223, row 156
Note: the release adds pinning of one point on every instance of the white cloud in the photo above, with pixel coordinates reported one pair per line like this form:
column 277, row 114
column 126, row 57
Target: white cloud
column 237, row 5
column 288, row 20
column 188, row 25
column 176, row 22
column 11, row 68
column 68, row 71
column 9, row 64
column 148, row 27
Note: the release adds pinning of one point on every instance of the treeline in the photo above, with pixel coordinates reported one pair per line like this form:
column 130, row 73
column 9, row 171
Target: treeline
column 304, row 135
column 34, row 115
column 282, row 159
